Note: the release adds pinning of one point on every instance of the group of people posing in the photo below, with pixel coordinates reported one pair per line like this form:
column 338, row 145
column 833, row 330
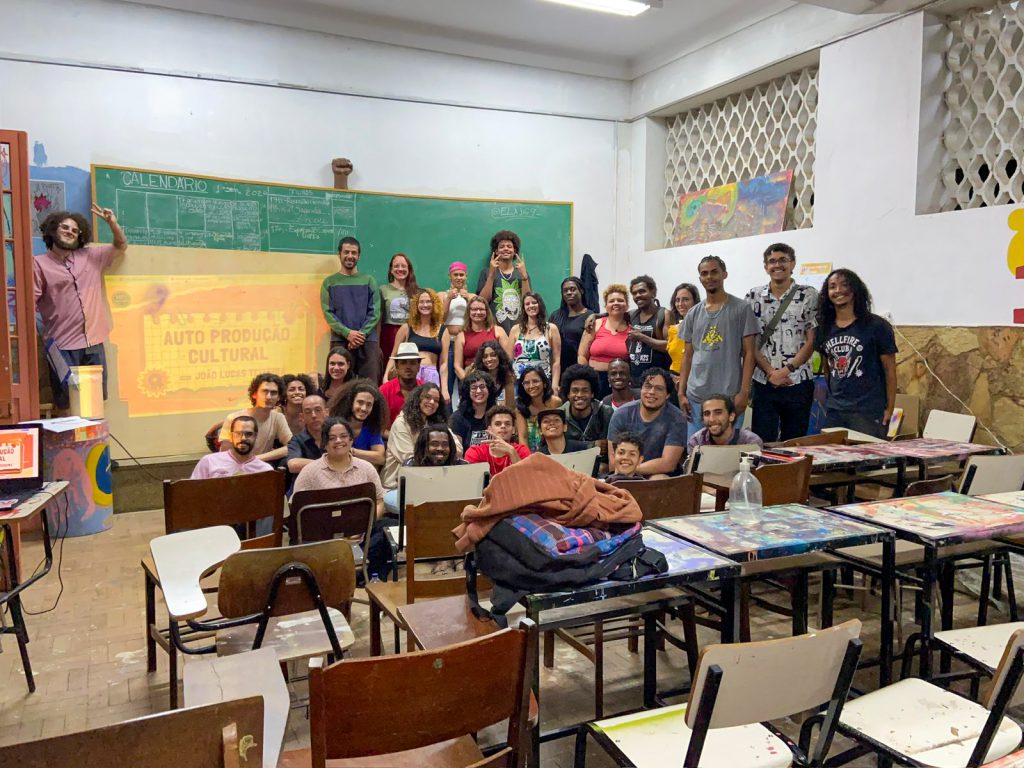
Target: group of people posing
column 642, row 385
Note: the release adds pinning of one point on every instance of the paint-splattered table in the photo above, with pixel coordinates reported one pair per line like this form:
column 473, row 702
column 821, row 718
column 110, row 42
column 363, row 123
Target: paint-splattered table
column 787, row 530
column 936, row 521
column 648, row 597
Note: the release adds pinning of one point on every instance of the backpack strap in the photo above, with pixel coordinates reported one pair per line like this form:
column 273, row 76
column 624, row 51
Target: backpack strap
column 787, row 299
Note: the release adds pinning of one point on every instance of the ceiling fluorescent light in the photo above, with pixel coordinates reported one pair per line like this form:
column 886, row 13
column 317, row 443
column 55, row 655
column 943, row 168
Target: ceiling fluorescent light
column 619, row 7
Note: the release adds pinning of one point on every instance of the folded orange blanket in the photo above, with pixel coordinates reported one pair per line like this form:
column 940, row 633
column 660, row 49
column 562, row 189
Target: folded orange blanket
column 541, row 485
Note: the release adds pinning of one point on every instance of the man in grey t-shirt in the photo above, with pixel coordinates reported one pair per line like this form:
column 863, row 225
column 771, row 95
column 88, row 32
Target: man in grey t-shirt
column 661, row 425
column 720, row 335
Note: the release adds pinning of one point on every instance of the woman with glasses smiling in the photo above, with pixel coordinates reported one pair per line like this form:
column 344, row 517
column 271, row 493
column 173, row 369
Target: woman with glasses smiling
column 477, row 394
column 338, row 468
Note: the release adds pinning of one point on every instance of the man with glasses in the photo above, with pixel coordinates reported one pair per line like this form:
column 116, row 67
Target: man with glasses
column 305, row 447
column 661, row 425
column 69, row 294
column 783, row 388
column 238, row 459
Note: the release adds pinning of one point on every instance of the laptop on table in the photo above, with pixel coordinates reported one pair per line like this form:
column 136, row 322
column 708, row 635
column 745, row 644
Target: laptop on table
column 21, row 463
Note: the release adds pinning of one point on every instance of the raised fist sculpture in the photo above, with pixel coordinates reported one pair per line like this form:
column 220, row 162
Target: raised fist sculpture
column 342, row 167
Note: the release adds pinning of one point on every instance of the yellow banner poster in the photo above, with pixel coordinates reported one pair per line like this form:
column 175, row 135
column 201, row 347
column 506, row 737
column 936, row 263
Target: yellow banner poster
column 192, row 343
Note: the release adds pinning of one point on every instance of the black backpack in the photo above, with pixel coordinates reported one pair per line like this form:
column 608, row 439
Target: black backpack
column 518, row 565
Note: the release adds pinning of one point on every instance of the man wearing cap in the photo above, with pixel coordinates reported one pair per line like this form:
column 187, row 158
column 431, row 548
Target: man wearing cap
column 552, row 431
column 407, row 377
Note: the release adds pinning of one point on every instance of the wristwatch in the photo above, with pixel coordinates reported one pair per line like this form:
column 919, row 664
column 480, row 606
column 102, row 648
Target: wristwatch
column 791, row 368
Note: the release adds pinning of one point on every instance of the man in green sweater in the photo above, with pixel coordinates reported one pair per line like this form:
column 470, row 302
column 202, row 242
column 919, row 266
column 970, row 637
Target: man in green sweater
column 351, row 309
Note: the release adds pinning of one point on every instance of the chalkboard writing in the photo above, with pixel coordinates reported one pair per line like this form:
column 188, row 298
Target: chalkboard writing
column 192, row 211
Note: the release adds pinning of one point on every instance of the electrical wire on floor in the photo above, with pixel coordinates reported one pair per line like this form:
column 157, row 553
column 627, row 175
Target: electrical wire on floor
column 952, row 394
column 138, row 463
column 58, row 544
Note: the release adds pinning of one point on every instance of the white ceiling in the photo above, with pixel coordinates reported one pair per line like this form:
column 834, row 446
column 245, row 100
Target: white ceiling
column 529, row 32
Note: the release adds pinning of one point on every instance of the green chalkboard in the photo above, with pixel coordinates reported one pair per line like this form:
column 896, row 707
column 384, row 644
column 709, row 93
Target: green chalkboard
column 194, row 211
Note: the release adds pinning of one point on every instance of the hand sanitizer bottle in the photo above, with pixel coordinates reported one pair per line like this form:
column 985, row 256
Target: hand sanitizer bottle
column 745, row 496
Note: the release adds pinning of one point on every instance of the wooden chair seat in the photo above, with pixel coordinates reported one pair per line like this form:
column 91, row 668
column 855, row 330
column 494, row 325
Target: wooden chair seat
column 983, row 644
column 813, row 561
column 462, row 752
column 909, row 554
column 389, row 596
column 296, row 636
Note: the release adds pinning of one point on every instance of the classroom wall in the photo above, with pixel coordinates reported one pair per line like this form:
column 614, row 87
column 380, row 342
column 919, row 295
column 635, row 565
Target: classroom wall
column 83, row 114
column 931, row 269
column 944, row 278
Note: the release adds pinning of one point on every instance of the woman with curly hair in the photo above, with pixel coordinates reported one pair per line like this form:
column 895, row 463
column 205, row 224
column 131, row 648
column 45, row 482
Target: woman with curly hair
column 491, row 357
column 477, row 395
column 363, row 406
column 859, row 352
column 536, row 343
column 424, row 406
column 296, row 387
column 607, row 339
column 424, row 329
column 535, row 395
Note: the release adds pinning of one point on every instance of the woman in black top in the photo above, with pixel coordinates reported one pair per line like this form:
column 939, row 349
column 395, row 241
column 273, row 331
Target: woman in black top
column 477, row 393
column 859, row 352
column 424, row 329
column 569, row 318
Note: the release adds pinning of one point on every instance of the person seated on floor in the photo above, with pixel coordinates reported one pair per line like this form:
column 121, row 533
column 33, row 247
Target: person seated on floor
column 435, row 446
column 339, row 468
column 265, row 391
column 236, row 456
column 498, row 451
column 586, row 417
column 477, row 393
column 719, row 415
column 424, row 406
column 553, row 439
column 661, row 425
column 305, row 446
column 407, row 377
column 364, row 408
column 627, row 455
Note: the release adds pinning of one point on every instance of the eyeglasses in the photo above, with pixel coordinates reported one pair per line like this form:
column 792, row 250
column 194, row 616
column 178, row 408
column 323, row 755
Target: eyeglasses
column 339, row 438
column 478, row 386
column 67, row 228
column 657, row 388
column 243, row 434
column 777, row 262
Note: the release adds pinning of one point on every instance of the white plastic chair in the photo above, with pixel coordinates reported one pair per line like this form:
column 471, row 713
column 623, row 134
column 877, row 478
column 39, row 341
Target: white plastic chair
column 737, row 688
column 583, row 462
column 946, row 425
column 417, row 485
column 914, row 720
column 992, row 474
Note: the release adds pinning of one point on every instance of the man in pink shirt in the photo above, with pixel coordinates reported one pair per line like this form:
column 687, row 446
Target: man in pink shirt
column 499, row 451
column 238, row 459
column 69, row 291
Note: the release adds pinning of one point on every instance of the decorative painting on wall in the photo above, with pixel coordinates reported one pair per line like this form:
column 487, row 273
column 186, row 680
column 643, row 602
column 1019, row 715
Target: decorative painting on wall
column 739, row 209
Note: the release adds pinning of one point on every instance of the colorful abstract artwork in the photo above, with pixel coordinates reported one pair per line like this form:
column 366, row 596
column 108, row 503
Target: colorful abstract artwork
column 742, row 208
column 781, row 530
column 941, row 517
column 683, row 557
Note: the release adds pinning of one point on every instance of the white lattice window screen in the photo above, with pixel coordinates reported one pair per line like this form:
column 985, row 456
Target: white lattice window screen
column 765, row 129
column 983, row 137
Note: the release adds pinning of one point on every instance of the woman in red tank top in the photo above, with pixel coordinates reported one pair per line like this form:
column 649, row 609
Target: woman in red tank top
column 607, row 340
column 479, row 328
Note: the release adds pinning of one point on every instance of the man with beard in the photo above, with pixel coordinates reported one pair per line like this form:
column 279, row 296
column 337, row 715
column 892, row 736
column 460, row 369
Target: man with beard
column 351, row 308
column 435, row 447
column 238, row 459
column 719, row 412
column 69, row 292
column 661, row 425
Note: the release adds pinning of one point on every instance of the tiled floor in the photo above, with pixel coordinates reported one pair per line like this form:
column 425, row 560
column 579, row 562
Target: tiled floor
column 89, row 652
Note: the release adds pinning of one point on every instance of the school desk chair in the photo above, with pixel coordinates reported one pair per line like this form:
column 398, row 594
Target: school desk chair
column 422, row 708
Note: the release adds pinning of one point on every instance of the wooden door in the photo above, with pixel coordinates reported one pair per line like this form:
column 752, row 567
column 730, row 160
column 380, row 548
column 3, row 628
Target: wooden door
column 19, row 367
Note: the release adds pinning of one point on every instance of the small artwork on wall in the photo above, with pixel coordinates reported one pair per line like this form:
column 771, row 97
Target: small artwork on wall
column 46, row 197
column 1015, row 255
column 739, row 209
